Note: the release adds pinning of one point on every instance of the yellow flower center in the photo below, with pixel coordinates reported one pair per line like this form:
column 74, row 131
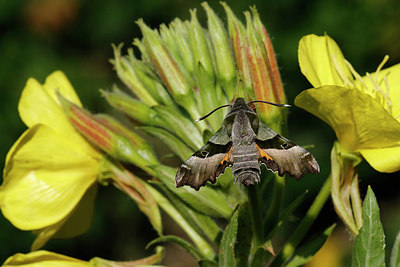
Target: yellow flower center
column 379, row 89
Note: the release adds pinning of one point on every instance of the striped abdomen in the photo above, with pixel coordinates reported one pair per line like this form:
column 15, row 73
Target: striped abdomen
column 246, row 168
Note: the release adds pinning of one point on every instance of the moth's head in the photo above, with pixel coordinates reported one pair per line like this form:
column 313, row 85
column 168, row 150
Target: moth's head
column 241, row 104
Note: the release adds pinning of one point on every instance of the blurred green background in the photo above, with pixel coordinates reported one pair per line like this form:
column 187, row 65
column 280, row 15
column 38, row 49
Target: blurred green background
column 40, row 36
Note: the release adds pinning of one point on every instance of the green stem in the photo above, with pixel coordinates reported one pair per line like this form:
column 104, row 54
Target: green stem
column 305, row 223
column 273, row 211
column 256, row 219
column 356, row 202
column 205, row 248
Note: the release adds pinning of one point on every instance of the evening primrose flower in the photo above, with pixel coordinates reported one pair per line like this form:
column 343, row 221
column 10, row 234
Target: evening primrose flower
column 363, row 111
column 51, row 167
column 45, row 258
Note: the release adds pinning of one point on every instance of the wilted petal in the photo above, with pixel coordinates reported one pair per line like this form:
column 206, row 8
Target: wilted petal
column 360, row 122
column 321, row 60
column 383, row 159
column 45, row 178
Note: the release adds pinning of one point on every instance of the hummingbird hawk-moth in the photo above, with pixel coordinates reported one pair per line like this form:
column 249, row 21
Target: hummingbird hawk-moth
column 243, row 143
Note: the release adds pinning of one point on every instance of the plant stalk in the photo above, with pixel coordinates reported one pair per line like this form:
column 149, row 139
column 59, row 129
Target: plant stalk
column 305, row 223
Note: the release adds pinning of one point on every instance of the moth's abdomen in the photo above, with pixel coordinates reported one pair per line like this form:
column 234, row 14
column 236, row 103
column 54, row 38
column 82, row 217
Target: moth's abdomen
column 246, row 168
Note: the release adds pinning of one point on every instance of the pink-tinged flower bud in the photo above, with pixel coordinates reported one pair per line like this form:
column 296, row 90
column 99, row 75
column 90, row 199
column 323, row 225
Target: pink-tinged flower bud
column 270, row 58
column 107, row 137
column 140, row 145
column 237, row 34
column 261, row 76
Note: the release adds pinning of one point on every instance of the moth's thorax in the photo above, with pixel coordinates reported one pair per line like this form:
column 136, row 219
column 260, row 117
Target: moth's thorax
column 246, row 168
column 241, row 110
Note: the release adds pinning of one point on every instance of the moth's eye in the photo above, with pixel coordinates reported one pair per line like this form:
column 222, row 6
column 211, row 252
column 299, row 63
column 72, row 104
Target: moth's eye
column 285, row 145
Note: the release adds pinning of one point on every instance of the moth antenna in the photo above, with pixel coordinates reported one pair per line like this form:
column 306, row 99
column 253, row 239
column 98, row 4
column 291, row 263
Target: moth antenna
column 266, row 102
column 202, row 118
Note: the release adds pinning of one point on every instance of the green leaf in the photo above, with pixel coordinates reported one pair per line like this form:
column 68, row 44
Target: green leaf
column 244, row 236
column 261, row 257
column 395, row 257
column 305, row 253
column 207, row 263
column 179, row 241
column 227, row 247
column 369, row 245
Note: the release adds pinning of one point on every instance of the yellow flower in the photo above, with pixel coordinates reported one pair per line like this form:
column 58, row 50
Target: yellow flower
column 50, row 167
column 363, row 111
column 44, row 258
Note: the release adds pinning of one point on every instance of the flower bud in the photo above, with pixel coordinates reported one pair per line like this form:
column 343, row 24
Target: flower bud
column 261, row 76
column 181, row 37
column 176, row 79
column 135, row 109
column 110, row 140
column 237, row 34
column 224, row 62
column 140, row 145
column 201, row 51
column 128, row 76
column 270, row 59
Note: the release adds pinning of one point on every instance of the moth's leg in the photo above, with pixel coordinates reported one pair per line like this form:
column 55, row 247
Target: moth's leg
column 263, row 154
column 227, row 157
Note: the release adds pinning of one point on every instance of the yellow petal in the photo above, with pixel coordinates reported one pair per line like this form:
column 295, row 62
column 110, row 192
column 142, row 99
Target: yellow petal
column 58, row 82
column 40, row 105
column 359, row 121
column 392, row 75
column 73, row 225
column 320, row 58
column 44, row 258
column 45, row 179
column 383, row 159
